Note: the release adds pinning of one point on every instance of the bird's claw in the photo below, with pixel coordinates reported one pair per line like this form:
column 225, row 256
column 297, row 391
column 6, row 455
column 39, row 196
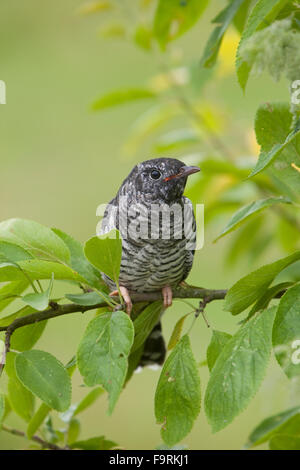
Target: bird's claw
column 167, row 296
column 126, row 297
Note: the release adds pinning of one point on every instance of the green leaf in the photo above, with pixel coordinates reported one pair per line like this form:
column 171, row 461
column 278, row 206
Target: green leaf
column 38, row 269
column 46, row 377
column 105, row 252
column 78, row 261
column 280, row 145
column 286, row 332
column 103, row 352
column 40, row 241
column 286, row 422
column 145, row 322
column 263, row 13
column 95, row 443
column 133, row 362
column 267, row 157
column 251, row 287
column 216, row 346
column 37, row 419
column 24, row 338
column 241, row 16
column 88, row 400
column 176, row 139
column 117, row 97
column 178, row 396
column 143, row 37
column 239, row 370
column 176, row 333
column 284, row 442
column 10, row 291
column 13, row 252
column 73, row 430
column 88, row 298
column 266, row 298
column 2, row 408
column 254, row 208
column 223, row 20
column 173, row 18
column 20, row 399
column 39, row 300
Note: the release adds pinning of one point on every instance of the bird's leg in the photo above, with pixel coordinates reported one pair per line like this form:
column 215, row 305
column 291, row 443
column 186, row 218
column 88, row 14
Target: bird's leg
column 167, row 295
column 126, row 297
column 184, row 284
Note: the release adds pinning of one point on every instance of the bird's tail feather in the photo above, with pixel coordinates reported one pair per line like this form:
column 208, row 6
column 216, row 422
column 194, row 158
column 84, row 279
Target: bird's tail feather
column 154, row 349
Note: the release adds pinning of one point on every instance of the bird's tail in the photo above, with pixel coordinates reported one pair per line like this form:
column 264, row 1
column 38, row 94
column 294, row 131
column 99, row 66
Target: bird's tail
column 154, row 348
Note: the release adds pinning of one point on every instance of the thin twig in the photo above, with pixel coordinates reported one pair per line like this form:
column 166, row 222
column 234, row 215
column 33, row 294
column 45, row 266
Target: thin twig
column 44, row 444
column 57, row 310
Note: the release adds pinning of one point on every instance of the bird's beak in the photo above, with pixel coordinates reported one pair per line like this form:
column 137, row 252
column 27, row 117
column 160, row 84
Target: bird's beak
column 187, row 170
column 184, row 171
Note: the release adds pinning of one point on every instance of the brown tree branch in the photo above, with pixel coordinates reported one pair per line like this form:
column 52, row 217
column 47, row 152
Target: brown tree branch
column 44, row 444
column 55, row 310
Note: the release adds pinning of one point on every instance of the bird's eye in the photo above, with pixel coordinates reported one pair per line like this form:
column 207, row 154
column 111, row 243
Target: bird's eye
column 155, row 174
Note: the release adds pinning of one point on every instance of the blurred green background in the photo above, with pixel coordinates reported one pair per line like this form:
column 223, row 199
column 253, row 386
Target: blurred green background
column 59, row 161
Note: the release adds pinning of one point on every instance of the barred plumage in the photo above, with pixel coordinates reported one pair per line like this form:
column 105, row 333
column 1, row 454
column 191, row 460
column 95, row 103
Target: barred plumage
column 158, row 230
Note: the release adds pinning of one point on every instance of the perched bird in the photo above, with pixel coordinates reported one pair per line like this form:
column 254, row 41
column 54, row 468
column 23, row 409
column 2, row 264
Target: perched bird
column 158, row 230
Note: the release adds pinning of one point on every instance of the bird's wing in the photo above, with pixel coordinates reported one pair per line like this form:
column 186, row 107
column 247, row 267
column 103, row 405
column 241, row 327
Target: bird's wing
column 110, row 218
column 190, row 235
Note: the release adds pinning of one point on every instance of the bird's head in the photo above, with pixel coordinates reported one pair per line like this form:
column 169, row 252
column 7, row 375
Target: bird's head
column 161, row 179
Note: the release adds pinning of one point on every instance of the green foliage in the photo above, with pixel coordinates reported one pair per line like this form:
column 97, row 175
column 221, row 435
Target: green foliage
column 215, row 347
column 239, row 370
column 287, row 330
column 103, row 352
column 39, row 300
column 37, row 419
column 95, row 443
column 250, row 210
column 246, row 291
column 88, row 400
column 144, row 324
column 118, row 97
column 172, row 19
column 10, row 291
column 275, row 48
column 105, row 253
column 2, row 407
column 280, row 144
column 285, row 442
column 38, row 240
column 286, row 422
column 177, row 397
column 176, row 333
column 46, row 377
column 88, row 298
column 20, row 399
column 263, row 12
column 224, row 18
column 78, row 261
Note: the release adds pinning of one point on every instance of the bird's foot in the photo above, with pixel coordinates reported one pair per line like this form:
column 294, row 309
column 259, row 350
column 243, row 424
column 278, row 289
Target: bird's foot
column 126, row 297
column 184, row 284
column 167, row 296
